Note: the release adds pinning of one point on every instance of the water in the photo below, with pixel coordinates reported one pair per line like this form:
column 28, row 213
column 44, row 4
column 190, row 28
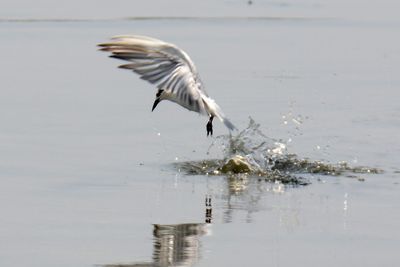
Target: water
column 88, row 172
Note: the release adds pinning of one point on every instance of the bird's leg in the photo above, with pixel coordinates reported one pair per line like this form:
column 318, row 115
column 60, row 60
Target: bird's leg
column 209, row 126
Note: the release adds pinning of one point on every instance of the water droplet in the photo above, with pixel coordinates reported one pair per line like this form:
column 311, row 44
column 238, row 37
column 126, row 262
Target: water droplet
column 296, row 121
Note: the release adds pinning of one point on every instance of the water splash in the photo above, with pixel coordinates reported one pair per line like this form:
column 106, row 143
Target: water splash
column 259, row 150
column 252, row 153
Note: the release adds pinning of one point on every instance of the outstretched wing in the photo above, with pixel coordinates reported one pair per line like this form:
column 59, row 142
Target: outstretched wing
column 162, row 64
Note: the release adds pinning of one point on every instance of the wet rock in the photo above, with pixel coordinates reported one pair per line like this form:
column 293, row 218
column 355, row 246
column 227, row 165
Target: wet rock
column 236, row 164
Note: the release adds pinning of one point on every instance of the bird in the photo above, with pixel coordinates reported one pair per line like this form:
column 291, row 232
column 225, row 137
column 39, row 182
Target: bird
column 171, row 70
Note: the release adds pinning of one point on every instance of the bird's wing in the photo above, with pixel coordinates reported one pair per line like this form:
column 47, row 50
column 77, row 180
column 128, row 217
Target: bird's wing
column 162, row 64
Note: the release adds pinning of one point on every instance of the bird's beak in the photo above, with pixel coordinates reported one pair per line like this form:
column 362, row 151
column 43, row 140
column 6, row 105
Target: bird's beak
column 155, row 103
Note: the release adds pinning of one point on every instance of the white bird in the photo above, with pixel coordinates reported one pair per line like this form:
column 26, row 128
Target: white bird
column 170, row 69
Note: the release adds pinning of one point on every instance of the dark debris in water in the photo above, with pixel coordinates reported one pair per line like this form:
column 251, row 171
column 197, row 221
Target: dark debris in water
column 293, row 164
column 215, row 167
column 286, row 171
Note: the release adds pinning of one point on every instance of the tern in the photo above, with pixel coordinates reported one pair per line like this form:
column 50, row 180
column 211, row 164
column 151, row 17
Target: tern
column 170, row 69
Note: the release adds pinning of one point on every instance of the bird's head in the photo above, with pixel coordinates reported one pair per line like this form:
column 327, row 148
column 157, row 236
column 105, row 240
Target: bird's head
column 159, row 97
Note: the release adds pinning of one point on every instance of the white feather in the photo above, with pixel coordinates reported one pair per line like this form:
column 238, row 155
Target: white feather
column 169, row 68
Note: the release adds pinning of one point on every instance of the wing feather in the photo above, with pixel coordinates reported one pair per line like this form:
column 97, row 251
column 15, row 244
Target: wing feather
column 153, row 60
column 166, row 66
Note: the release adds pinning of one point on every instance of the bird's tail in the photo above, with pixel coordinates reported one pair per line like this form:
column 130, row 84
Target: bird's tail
column 229, row 124
column 215, row 110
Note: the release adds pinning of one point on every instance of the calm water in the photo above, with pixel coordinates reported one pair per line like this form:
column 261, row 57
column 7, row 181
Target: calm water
column 86, row 169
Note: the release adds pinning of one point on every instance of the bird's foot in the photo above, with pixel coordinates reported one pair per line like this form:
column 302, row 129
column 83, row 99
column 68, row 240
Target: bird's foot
column 209, row 126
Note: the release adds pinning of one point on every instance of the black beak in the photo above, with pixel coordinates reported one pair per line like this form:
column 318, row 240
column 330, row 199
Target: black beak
column 155, row 103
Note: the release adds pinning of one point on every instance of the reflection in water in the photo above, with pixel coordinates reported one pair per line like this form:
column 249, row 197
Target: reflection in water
column 245, row 193
column 240, row 195
column 176, row 244
column 208, row 209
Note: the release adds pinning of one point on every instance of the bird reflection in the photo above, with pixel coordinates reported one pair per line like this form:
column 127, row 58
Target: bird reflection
column 176, row 244
column 208, row 209
column 244, row 193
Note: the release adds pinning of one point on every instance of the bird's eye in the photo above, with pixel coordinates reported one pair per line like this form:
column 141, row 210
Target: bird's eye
column 159, row 93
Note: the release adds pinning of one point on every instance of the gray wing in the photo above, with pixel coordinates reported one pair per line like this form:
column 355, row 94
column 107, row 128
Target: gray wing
column 162, row 64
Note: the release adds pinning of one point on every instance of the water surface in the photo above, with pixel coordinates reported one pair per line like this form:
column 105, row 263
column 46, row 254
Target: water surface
column 88, row 174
